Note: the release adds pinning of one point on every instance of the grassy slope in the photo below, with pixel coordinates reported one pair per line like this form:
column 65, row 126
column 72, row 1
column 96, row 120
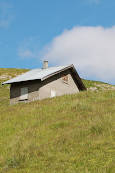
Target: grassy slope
column 68, row 134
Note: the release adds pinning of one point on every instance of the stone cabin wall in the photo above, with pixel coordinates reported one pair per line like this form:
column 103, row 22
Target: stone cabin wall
column 38, row 90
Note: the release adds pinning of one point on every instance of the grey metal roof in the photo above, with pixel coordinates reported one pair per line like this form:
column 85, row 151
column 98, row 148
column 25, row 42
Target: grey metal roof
column 34, row 74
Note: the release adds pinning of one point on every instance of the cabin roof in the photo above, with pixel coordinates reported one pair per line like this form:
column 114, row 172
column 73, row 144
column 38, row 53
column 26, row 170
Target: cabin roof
column 43, row 74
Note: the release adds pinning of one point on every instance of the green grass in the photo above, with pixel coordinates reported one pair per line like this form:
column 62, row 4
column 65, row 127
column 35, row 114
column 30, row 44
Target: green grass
column 11, row 71
column 68, row 134
column 91, row 83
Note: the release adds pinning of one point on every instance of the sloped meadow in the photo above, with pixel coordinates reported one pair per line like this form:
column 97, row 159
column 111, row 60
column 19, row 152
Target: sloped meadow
column 67, row 134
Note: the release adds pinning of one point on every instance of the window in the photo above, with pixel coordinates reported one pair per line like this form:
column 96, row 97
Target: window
column 65, row 79
column 53, row 93
column 24, row 94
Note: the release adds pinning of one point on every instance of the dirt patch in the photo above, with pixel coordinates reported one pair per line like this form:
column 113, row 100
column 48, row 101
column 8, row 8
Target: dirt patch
column 5, row 77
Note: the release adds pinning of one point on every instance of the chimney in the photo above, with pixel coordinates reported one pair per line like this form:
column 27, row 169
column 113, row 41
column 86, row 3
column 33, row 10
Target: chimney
column 45, row 64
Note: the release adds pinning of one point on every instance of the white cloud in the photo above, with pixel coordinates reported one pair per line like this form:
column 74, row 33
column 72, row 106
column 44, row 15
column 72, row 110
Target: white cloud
column 26, row 53
column 90, row 49
column 29, row 48
column 6, row 16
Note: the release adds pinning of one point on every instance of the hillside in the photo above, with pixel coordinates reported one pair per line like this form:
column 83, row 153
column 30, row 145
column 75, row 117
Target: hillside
column 68, row 134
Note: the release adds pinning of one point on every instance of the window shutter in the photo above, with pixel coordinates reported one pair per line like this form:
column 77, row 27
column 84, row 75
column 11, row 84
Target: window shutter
column 24, row 93
column 53, row 93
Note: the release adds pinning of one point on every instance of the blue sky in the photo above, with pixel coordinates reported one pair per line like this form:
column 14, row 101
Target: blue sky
column 32, row 30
